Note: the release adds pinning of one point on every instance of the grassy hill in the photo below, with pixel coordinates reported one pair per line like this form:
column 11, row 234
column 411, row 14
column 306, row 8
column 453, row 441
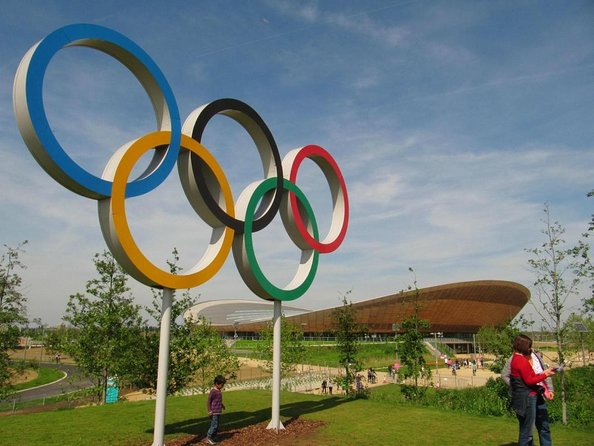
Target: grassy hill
column 377, row 421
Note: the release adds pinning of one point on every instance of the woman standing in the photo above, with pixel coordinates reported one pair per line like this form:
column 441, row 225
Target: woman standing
column 527, row 395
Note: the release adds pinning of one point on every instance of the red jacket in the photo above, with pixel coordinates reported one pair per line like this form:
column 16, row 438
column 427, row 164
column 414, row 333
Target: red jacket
column 521, row 368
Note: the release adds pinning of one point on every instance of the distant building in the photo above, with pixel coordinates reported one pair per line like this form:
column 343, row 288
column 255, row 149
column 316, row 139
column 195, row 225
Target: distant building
column 26, row 342
column 454, row 310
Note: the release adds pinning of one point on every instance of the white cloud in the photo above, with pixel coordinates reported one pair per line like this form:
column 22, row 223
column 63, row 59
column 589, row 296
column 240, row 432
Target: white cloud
column 450, row 141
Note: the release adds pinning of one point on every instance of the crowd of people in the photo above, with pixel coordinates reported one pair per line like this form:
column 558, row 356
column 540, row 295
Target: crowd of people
column 327, row 386
column 473, row 364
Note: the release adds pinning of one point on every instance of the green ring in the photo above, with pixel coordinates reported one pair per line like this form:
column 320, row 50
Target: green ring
column 269, row 288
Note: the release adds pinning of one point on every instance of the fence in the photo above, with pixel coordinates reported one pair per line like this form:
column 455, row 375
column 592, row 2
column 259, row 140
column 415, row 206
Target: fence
column 442, row 380
column 297, row 383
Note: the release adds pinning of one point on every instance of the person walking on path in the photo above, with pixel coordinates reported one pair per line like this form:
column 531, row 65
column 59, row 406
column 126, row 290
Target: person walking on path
column 527, row 398
column 215, row 407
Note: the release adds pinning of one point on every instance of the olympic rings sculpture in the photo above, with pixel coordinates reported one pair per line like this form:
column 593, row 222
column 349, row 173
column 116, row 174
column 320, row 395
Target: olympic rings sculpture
column 204, row 182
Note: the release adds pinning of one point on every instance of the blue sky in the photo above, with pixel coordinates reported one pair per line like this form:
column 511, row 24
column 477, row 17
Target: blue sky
column 452, row 122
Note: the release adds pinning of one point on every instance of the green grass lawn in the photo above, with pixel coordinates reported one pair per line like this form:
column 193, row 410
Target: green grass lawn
column 347, row 422
column 377, row 355
column 45, row 375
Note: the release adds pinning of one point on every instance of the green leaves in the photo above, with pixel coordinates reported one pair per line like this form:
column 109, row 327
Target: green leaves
column 12, row 308
column 292, row 347
column 347, row 331
column 107, row 325
column 197, row 353
column 559, row 269
column 411, row 347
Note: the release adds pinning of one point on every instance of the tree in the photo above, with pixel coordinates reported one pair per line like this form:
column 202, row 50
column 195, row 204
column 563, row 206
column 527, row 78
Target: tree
column 591, row 224
column 12, row 308
column 557, row 268
column 347, row 331
column 587, row 268
column 292, row 346
column 196, row 351
column 197, row 354
column 108, row 325
column 210, row 354
column 579, row 341
column 181, row 367
column 55, row 339
column 411, row 347
column 499, row 340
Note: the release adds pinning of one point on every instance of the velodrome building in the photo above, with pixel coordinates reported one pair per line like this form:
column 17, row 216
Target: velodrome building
column 455, row 310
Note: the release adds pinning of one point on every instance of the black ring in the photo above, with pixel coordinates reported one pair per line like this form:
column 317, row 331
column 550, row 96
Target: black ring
column 249, row 119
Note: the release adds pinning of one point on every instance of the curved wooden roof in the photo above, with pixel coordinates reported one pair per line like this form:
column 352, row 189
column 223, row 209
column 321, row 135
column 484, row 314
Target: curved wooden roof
column 462, row 307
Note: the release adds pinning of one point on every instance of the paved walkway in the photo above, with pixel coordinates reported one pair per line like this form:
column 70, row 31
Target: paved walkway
column 74, row 380
column 440, row 378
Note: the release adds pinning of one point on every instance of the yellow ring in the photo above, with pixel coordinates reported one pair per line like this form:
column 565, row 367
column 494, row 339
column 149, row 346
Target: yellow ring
column 120, row 238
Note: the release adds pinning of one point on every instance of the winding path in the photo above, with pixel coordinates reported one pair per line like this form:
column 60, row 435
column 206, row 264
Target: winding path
column 74, row 380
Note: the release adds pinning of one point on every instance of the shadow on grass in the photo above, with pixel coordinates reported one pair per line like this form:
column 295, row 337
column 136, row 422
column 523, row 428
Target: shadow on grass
column 239, row 419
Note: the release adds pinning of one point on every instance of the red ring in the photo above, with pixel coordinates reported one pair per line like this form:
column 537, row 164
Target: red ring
column 325, row 161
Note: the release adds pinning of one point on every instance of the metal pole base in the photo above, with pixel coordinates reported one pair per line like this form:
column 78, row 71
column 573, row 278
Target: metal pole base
column 275, row 426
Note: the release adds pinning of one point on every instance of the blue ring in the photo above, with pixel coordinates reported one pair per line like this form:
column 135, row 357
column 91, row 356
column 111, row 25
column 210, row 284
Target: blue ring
column 80, row 34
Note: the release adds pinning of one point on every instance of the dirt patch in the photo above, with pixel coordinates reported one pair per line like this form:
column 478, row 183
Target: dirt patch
column 257, row 435
column 138, row 395
column 22, row 377
column 251, row 369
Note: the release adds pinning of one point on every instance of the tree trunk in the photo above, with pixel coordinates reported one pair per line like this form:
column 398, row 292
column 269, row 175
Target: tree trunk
column 563, row 400
column 561, row 358
column 104, row 387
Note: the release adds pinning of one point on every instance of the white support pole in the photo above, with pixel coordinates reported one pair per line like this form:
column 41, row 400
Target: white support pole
column 276, row 423
column 159, row 430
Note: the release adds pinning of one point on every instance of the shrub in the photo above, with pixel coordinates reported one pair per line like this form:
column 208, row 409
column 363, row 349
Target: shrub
column 476, row 400
column 479, row 400
column 579, row 385
column 494, row 399
column 414, row 393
